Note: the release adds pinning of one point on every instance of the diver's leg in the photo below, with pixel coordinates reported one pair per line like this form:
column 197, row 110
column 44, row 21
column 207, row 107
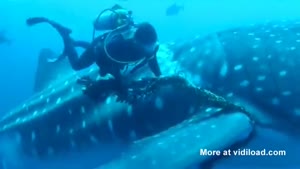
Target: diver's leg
column 82, row 44
column 77, row 63
column 83, row 61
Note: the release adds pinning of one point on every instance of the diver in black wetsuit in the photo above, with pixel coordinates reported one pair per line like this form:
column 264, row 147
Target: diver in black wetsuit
column 112, row 51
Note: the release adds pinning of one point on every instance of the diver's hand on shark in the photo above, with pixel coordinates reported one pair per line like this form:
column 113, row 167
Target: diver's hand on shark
column 89, row 87
column 85, row 80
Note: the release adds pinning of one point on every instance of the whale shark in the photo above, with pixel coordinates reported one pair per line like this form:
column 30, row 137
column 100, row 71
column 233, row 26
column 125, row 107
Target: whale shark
column 177, row 147
column 59, row 118
column 255, row 66
column 235, row 63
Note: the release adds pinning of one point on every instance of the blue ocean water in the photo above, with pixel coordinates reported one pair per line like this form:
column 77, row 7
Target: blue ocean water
column 19, row 59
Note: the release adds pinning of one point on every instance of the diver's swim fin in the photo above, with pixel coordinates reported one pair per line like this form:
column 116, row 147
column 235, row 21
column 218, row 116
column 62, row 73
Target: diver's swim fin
column 63, row 32
column 36, row 20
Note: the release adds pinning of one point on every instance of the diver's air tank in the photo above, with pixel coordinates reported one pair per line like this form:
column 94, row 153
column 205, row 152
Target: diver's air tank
column 110, row 19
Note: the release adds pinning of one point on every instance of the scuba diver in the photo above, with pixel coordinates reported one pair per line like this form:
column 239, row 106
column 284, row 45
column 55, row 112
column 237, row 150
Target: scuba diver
column 125, row 43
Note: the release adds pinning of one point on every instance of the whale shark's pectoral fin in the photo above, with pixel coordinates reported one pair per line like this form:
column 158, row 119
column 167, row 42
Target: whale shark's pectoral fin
column 49, row 72
column 180, row 146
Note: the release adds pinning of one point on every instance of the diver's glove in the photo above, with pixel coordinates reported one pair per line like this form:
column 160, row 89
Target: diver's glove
column 86, row 81
column 98, row 89
column 89, row 87
column 122, row 84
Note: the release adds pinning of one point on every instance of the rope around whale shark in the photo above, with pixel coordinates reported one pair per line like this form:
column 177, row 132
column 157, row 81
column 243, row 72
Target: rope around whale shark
column 144, row 88
column 141, row 89
column 204, row 97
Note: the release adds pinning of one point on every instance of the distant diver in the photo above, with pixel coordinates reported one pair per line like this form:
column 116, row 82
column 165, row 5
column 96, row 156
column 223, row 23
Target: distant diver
column 125, row 43
column 3, row 38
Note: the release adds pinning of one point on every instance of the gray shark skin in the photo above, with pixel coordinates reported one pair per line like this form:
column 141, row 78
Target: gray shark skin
column 60, row 119
column 255, row 65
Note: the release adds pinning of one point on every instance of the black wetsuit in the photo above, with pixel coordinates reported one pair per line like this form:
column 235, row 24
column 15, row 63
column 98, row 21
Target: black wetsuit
column 120, row 49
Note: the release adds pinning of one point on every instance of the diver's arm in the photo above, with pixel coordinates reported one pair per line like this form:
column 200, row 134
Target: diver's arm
column 86, row 59
column 153, row 64
column 137, row 67
column 82, row 44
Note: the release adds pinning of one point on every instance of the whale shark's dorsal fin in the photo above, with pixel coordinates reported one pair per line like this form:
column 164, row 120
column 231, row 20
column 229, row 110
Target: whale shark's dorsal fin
column 48, row 72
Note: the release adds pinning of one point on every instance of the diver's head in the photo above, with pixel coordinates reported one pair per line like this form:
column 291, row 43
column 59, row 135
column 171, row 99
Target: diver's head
column 146, row 37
